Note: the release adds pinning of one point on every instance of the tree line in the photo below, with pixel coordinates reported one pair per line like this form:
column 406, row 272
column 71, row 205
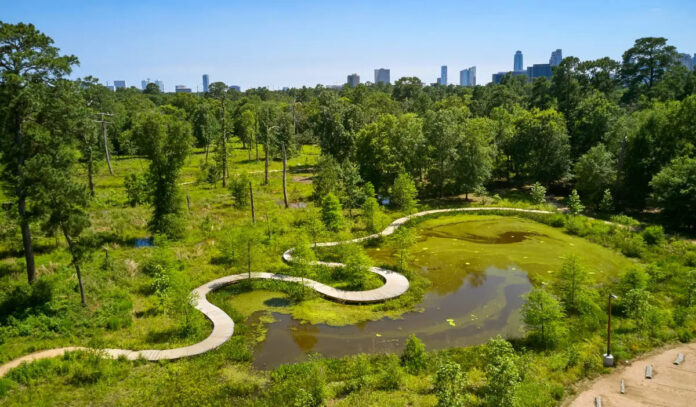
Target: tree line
column 620, row 132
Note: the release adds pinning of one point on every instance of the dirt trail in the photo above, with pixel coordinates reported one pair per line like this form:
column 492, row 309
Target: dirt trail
column 671, row 385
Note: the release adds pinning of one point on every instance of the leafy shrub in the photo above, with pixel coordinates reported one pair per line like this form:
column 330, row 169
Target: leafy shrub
column 653, row 235
column 449, row 385
column 414, row 357
column 137, row 189
column 404, row 192
column 631, row 245
column 332, row 213
column 575, row 206
column 538, row 193
column 391, row 375
column 624, row 220
column 239, row 188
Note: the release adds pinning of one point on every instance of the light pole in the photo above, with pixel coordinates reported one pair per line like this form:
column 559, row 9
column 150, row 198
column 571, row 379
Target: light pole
column 608, row 357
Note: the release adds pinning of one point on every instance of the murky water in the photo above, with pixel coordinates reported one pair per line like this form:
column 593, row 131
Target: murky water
column 482, row 307
column 479, row 269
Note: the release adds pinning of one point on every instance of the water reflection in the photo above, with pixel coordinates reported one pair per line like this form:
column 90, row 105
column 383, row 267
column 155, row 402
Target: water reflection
column 477, row 311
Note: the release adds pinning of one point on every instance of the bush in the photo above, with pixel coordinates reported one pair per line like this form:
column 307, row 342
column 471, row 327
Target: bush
column 575, row 206
column 653, row 235
column 391, row 375
column 404, row 192
column 624, row 220
column 538, row 194
column 239, row 188
column 449, row 385
column 414, row 357
column 332, row 213
column 137, row 189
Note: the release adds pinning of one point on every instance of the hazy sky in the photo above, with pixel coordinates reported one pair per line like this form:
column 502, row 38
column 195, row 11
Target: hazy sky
column 295, row 43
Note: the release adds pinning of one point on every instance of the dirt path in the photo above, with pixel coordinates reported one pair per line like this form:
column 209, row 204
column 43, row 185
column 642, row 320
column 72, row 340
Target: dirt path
column 671, row 385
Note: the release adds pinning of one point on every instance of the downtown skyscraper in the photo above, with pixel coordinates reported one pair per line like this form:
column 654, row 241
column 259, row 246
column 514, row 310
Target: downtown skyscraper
column 519, row 63
column 382, row 76
column 443, row 75
column 206, row 83
column 467, row 77
column 556, row 57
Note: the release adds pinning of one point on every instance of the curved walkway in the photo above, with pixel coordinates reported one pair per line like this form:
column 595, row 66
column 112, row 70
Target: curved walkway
column 395, row 284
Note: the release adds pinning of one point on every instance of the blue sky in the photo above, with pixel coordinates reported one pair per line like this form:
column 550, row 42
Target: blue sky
column 295, row 43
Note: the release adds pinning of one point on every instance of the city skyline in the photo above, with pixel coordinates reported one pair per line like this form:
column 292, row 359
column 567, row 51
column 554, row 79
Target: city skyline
column 295, row 44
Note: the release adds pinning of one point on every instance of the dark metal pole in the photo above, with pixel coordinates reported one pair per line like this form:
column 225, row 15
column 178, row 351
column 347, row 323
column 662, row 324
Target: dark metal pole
column 609, row 327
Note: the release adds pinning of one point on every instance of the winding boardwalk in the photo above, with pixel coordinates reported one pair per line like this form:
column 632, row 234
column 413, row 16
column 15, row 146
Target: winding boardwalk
column 395, row 284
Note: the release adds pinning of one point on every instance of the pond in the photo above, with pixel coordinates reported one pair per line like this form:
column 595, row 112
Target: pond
column 480, row 268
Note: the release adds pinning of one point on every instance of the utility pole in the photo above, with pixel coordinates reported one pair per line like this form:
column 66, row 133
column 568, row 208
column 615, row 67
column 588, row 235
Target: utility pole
column 608, row 357
column 106, row 143
column 285, row 177
column 251, row 195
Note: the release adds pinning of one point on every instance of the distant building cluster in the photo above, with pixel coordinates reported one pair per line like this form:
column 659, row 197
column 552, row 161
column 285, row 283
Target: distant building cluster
column 159, row 83
column 467, row 77
column 534, row 71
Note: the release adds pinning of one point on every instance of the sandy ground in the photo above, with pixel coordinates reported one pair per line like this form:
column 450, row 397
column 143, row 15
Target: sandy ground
column 671, row 385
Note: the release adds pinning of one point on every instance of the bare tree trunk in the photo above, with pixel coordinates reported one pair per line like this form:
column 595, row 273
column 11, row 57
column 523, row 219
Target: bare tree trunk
column 256, row 141
column 22, row 206
column 207, row 149
column 90, row 172
column 251, row 196
column 77, row 266
column 224, row 147
column 106, row 146
column 265, row 170
column 285, row 170
column 188, row 202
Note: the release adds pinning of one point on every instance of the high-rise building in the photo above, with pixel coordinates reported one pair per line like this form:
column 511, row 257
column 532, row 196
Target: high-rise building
column 120, row 84
column 556, row 57
column 160, row 85
column 143, row 84
column 467, row 77
column 182, row 89
column 206, row 83
column 519, row 63
column 354, row 80
column 497, row 77
column 686, row 60
column 382, row 76
column 235, row 87
column 539, row 70
column 443, row 75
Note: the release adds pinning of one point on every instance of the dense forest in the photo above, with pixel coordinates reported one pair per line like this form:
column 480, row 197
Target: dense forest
column 86, row 170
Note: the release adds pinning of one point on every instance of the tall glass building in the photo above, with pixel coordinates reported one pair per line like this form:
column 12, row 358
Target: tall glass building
column 467, row 77
column 443, row 75
column 206, row 83
column 382, row 76
column 556, row 57
column 518, row 61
